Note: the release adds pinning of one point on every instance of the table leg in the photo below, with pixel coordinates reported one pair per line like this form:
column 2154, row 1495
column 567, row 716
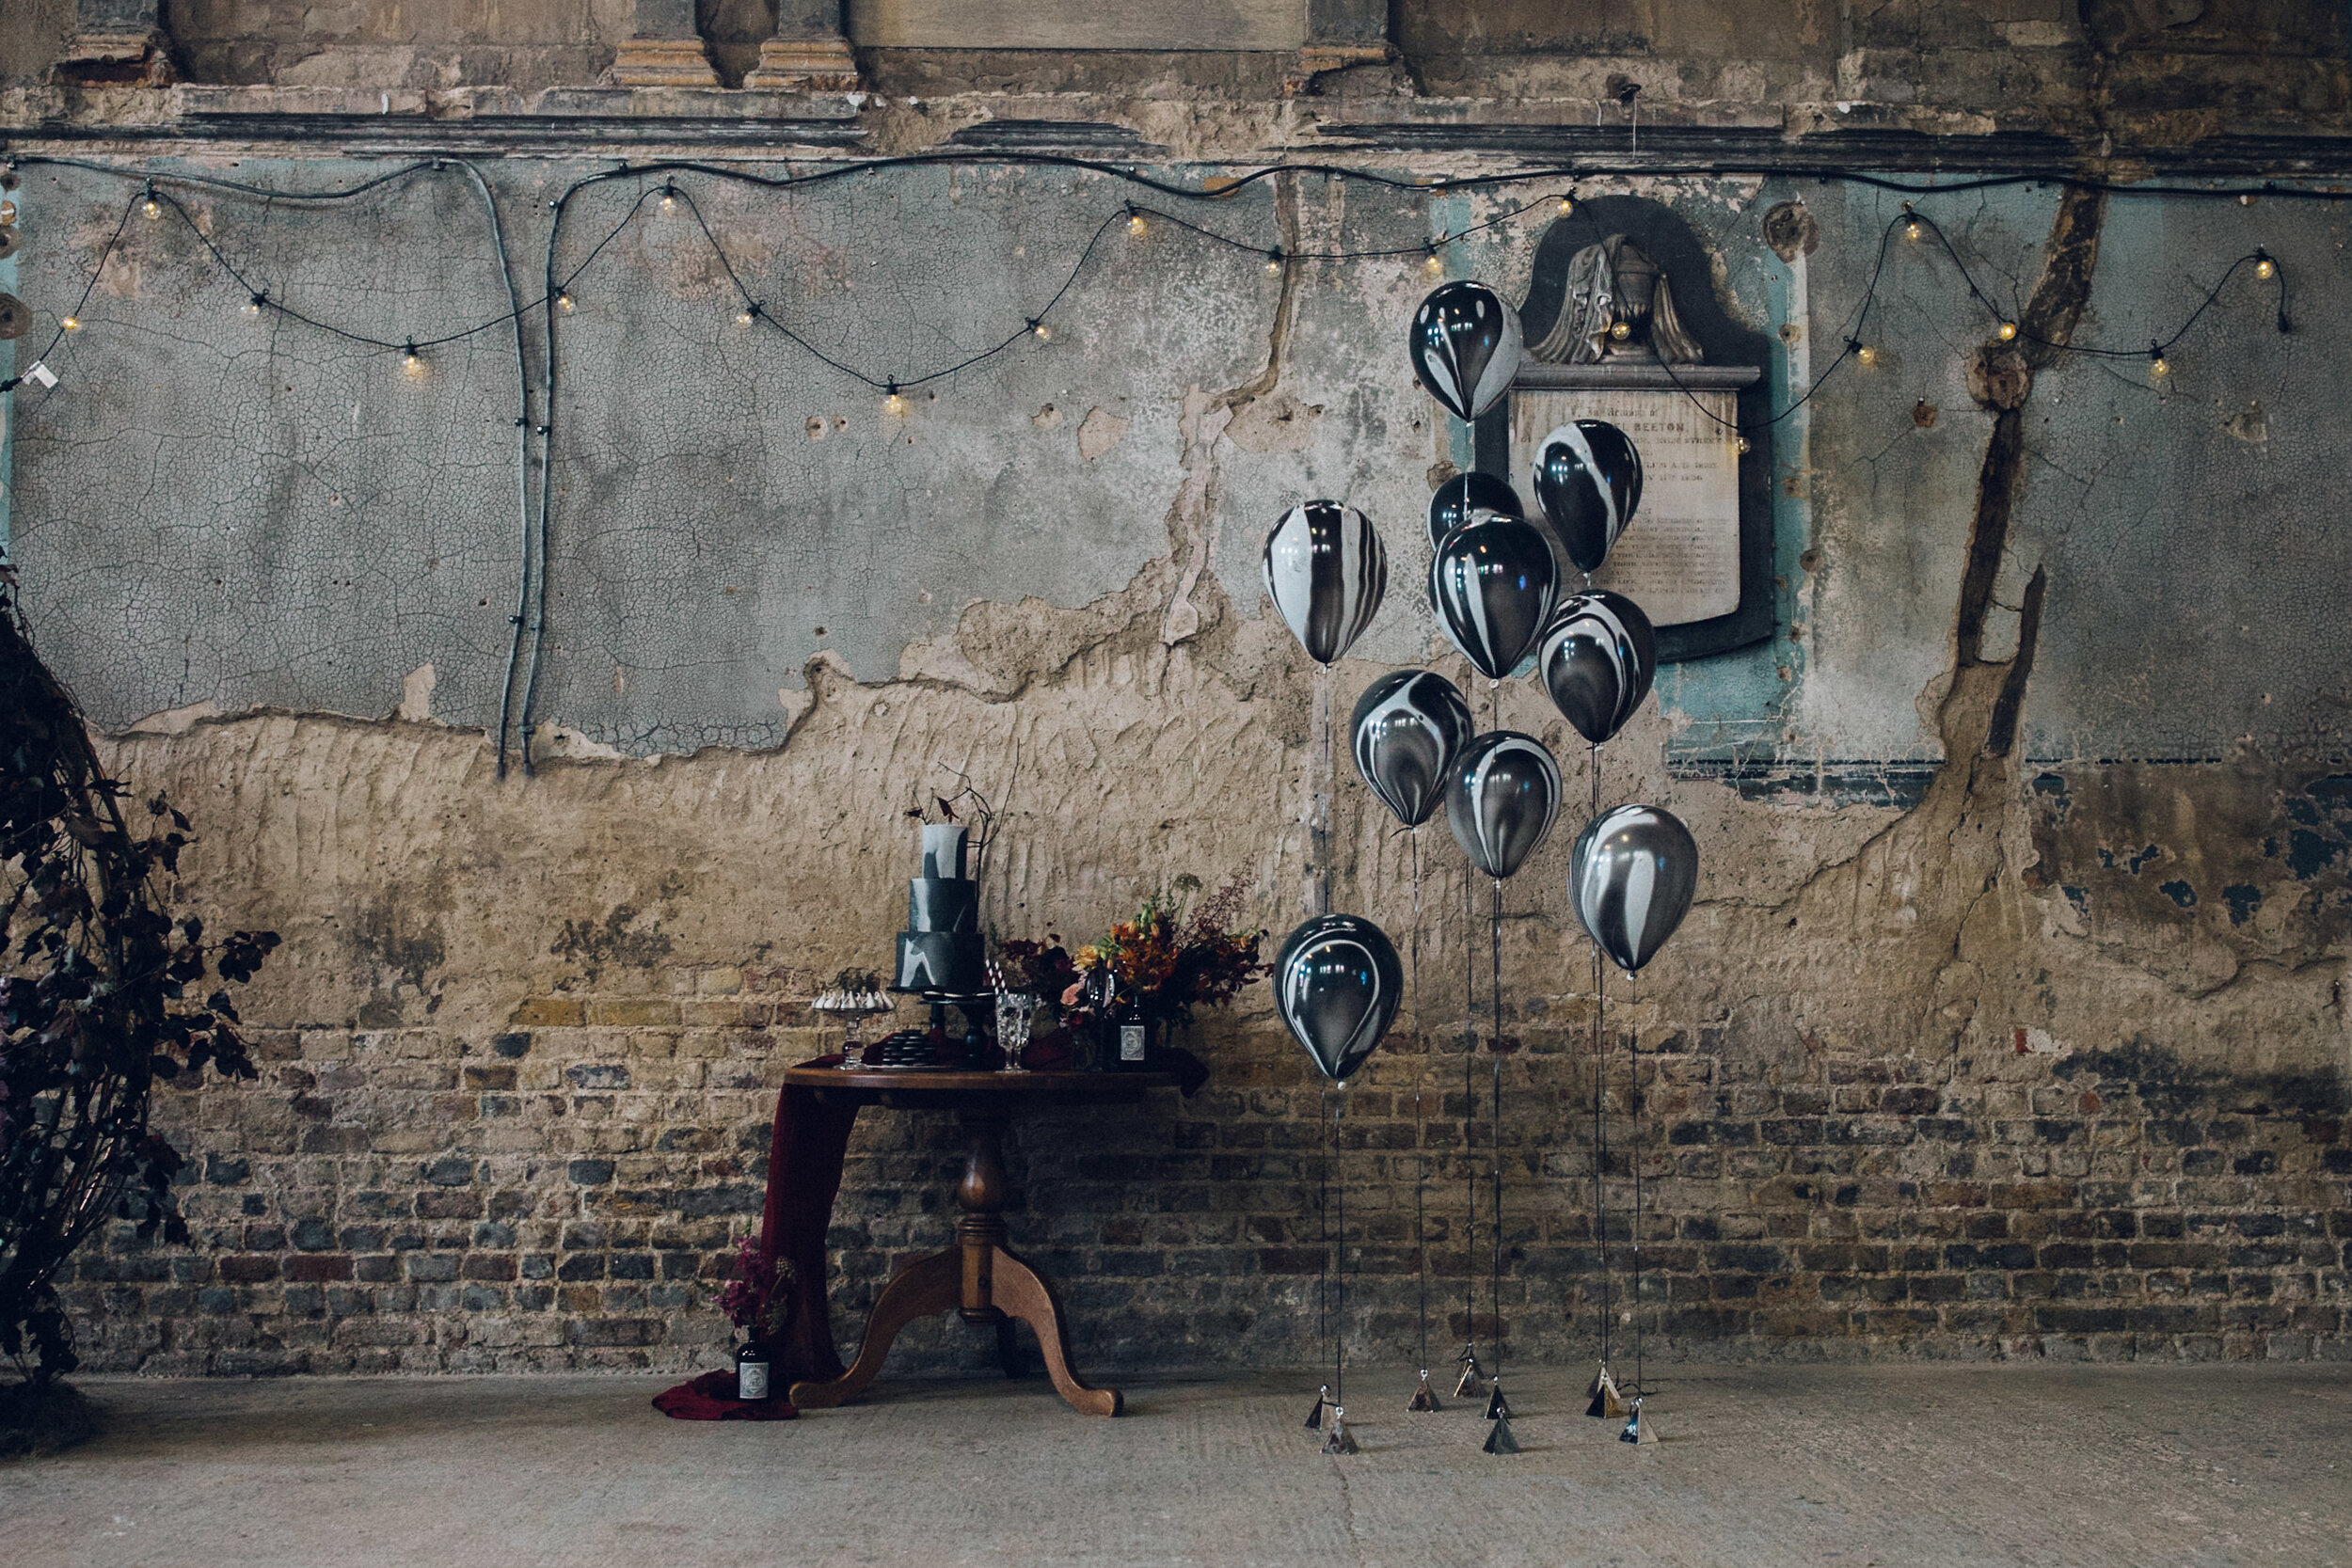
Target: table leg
column 977, row 1277
column 922, row 1290
column 1023, row 1293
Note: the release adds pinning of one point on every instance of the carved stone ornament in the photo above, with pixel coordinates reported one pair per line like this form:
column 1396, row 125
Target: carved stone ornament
column 1619, row 310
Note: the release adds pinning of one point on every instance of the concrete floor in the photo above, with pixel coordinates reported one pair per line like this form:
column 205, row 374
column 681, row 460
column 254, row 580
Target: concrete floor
column 1760, row 1465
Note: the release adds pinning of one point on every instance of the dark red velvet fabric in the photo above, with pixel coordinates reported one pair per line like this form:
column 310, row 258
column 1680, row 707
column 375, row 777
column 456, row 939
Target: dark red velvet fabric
column 804, row 1153
column 711, row 1397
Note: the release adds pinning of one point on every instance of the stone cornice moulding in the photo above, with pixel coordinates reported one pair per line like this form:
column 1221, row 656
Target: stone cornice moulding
column 1461, row 134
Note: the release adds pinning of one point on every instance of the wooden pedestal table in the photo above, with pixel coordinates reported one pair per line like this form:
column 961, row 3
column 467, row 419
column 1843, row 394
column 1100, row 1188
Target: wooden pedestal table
column 979, row 1276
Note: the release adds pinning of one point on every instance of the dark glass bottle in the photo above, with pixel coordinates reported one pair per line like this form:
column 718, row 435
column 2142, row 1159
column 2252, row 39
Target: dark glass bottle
column 751, row 1370
column 1126, row 1035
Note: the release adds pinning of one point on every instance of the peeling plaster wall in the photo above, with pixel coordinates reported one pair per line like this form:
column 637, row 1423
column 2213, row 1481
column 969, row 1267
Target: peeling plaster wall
column 2009, row 1019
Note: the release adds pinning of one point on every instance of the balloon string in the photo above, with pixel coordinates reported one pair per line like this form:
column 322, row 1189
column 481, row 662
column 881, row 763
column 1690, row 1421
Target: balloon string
column 1494, row 1299
column 1339, row 1272
column 1323, row 791
column 1632, row 1000
column 1420, row 1145
column 1323, row 1216
column 1600, row 1074
column 1470, row 1107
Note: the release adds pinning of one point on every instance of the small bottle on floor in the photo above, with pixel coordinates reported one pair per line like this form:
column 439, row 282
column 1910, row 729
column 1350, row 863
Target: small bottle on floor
column 751, row 1370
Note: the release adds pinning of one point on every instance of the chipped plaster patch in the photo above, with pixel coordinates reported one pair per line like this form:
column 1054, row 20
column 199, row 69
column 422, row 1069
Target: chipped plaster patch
column 1101, row 432
column 416, row 694
column 174, row 721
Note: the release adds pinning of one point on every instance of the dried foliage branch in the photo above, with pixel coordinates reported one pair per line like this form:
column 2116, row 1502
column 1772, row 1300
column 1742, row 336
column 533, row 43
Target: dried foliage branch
column 102, row 996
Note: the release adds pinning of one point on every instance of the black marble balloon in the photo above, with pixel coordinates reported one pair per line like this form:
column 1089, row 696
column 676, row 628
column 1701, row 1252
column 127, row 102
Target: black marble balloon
column 1328, row 572
column 1597, row 659
column 1632, row 878
column 1337, row 983
column 1587, row 480
column 1466, row 346
column 1500, row 800
column 1492, row 581
column 1463, row 495
column 1408, row 728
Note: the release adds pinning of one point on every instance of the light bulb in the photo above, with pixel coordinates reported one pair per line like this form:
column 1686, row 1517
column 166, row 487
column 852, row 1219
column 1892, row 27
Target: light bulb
column 253, row 306
column 411, row 361
column 745, row 316
column 1044, row 333
column 1435, row 262
column 1621, row 330
column 1274, row 262
column 1567, row 205
column 669, row 198
column 1134, row 223
column 72, row 323
column 891, row 402
column 1912, row 230
column 1867, row 354
column 2159, row 366
column 2266, row 267
column 2006, row 332
column 151, row 207
column 1740, row 444
column 564, row 303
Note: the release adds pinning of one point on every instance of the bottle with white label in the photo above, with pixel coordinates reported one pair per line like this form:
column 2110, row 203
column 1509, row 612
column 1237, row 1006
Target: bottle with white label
column 1128, row 1036
column 751, row 1370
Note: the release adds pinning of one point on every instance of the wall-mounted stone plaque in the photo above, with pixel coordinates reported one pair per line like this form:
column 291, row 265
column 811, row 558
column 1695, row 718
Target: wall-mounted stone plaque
column 1622, row 325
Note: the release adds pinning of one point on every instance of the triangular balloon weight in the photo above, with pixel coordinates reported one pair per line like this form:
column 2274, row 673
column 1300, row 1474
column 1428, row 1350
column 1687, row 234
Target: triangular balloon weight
column 1424, row 1398
column 1607, row 1402
column 1314, row 1416
column 1338, row 1440
column 1637, row 1430
column 1472, row 1378
column 1497, row 1408
column 1499, row 1438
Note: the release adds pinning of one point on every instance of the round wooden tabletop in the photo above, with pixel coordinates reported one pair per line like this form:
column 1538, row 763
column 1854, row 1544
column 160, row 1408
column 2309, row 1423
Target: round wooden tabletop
column 920, row 1086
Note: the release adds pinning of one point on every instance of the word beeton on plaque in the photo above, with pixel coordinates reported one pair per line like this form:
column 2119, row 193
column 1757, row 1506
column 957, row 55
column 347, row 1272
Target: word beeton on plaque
column 1622, row 324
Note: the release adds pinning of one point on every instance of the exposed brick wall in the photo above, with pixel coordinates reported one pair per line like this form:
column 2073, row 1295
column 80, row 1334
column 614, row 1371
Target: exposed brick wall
column 562, row 1193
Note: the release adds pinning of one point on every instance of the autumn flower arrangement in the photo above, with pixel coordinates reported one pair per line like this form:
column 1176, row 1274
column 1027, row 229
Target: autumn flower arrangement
column 1172, row 963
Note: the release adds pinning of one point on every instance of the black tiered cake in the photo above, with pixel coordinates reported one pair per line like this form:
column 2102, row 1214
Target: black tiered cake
column 941, row 950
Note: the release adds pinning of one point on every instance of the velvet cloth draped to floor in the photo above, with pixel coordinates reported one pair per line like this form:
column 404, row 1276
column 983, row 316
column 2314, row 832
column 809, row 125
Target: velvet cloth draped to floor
column 805, row 1150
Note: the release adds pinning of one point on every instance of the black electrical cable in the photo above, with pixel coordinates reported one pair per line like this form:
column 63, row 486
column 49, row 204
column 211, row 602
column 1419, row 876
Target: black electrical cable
column 532, row 593
column 522, row 436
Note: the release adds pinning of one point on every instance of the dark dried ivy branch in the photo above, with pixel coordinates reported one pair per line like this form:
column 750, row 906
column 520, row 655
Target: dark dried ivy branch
column 102, row 996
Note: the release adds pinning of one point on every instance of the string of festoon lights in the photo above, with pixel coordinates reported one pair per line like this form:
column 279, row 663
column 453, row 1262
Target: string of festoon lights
column 668, row 190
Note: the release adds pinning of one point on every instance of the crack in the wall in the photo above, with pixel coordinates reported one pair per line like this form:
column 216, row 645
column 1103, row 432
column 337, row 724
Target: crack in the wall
column 1192, row 516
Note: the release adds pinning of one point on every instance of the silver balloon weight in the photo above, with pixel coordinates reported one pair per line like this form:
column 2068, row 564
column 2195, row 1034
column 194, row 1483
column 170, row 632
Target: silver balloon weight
column 1631, row 880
